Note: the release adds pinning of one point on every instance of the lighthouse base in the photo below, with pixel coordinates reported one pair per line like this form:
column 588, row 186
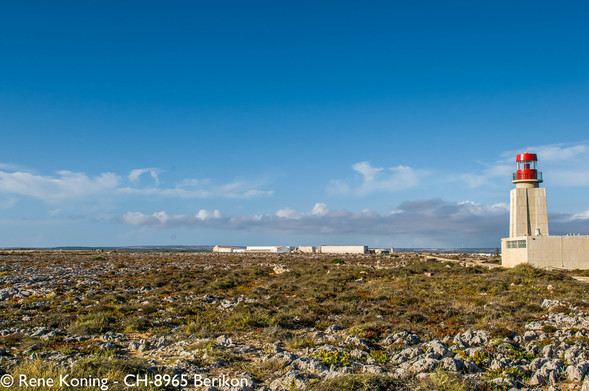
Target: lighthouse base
column 554, row 252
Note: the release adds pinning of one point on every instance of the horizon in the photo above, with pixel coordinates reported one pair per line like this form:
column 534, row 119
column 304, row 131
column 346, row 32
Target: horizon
column 199, row 249
column 391, row 125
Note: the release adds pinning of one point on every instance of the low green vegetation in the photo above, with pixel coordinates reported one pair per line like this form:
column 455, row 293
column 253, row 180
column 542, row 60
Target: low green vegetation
column 203, row 296
column 334, row 357
column 443, row 381
column 361, row 383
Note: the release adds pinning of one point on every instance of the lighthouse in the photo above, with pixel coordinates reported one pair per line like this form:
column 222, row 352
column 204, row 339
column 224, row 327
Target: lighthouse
column 529, row 241
column 528, row 211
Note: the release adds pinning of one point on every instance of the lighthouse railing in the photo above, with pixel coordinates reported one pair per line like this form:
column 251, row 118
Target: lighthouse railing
column 527, row 175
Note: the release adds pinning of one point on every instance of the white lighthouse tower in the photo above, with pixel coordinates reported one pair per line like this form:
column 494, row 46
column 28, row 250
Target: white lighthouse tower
column 528, row 211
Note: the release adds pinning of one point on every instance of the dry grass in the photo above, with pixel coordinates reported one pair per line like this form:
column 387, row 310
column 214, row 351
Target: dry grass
column 184, row 293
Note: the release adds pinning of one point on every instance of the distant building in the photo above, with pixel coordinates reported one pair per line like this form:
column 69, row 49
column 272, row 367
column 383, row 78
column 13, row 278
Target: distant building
column 306, row 249
column 379, row 251
column 529, row 241
column 267, row 249
column 222, row 249
column 343, row 249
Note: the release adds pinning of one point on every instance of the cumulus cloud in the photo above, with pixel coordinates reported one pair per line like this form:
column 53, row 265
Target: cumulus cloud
column 153, row 172
column 432, row 222
column 162, row 219
column 435, row 218
column 320, row 209
column 68, row 185
column 65, row 185
column 580, row 216
column 288, row 213
column 204, row 214
column 376, row 179
column 203, row 188
column 368, row 172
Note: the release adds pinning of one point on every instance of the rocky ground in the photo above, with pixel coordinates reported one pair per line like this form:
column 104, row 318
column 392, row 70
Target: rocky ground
column 285, row 322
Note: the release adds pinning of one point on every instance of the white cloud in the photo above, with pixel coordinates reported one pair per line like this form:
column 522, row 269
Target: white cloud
column 320, row 209
column 367, row 170
column 205, row 188
column 153, row 172
column 377, row 179
column 580, row 216
column 204, row 214
column 162, row 219
column 478, row 209
column 288, row 213
column 487, row 175
column 68, row 185
column 135, row 218
column 436, row 219
column 7, row 203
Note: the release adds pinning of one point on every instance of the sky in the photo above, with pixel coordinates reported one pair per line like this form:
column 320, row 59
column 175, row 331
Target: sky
column 381, row 123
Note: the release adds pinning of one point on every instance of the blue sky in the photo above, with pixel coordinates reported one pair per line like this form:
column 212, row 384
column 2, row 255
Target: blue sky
column 264, row 122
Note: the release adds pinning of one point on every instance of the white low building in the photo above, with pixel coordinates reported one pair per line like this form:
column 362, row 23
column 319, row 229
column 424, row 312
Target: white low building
column 306, row 249
column 222, row 249
column 267, row 249
column 343, row 249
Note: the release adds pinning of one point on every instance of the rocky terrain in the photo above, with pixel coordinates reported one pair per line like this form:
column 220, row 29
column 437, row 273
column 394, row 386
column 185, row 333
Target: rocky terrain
column 287, row 322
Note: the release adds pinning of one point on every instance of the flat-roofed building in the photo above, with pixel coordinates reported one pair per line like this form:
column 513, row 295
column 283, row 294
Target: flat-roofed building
column 267, row 249
column 343, row 249
column 222, row 249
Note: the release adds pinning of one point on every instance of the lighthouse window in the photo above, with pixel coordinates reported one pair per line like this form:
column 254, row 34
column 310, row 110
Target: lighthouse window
column 527, row 165
column 516, row 244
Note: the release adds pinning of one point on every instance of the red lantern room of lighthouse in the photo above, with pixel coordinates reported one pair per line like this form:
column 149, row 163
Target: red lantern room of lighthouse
column 527, row 169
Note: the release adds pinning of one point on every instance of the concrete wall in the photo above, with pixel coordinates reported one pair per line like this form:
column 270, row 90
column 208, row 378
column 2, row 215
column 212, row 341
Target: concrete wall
column 528, row 211
column 343, row 249
column 518, row 213
column 562, row 252
column 558, row 252
column 538, row 210
column 511, row 257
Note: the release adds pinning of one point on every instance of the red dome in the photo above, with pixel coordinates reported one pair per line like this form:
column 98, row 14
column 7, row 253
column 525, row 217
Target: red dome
column 526, row 157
